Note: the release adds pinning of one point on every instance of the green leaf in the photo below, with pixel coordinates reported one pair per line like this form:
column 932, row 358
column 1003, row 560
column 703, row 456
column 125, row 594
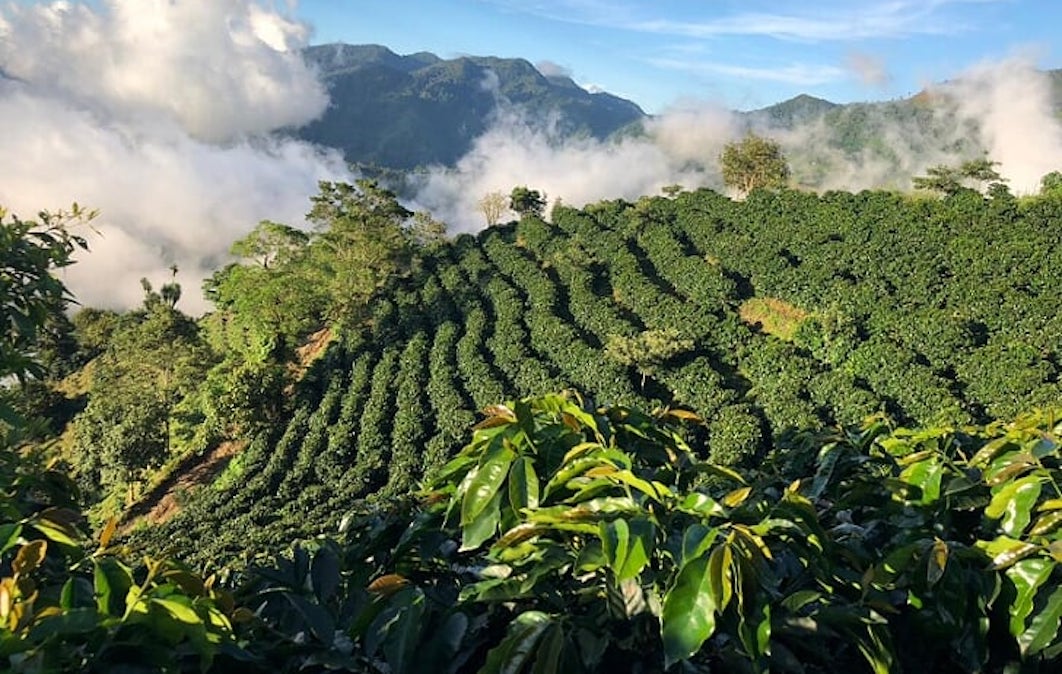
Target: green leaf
column 548, row 658
column 444, row 644
column 704, row 505
column 1044, row 626
column 829, row 455
column 719, row 574
column 403, row 633
column 76, row 593
column 1014, row 502
column 9, row 535
column 989, row 451
column 486, row 482
column 180, row 611
column 627, row 545
column 324, row 574
column 523, row 485
column 57, row 524
column 1027, row 575
column 75, row 621
column 696, row 540
column 689, row 612
column 315, row 617
column 516, row 649
column 475, row 533
column 925, row 475
column 936, row 562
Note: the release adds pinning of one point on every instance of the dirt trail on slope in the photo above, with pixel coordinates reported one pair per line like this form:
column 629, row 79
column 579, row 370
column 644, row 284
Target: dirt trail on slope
column 161, row 503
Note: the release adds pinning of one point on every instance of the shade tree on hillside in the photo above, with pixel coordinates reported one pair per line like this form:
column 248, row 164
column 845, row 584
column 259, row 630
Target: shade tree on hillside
column 525, row 201
column 1051, row 183
column 754, row 162
column 950, row 180
column 648, row 350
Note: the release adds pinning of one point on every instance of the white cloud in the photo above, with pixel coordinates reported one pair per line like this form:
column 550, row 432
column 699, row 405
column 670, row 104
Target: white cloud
column 158, row 114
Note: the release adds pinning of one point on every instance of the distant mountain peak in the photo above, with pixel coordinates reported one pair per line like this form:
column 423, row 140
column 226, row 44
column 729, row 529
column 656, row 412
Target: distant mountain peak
column 403, row 111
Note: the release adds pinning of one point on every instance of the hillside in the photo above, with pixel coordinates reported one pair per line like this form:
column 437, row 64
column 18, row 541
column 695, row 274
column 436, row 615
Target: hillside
column 388, row 513
column 788, row 311
column 401, row 112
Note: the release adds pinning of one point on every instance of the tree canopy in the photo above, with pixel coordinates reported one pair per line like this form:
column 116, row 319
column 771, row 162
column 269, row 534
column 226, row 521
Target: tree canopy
column 752, row 163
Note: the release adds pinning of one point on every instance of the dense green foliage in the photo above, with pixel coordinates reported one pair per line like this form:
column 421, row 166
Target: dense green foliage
column 766, row 533
column 754, row 162
column 932, row 311
column 32, row 300
column 565, row 538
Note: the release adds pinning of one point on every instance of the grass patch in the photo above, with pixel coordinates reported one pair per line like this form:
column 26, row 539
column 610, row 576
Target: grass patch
column 772, row 316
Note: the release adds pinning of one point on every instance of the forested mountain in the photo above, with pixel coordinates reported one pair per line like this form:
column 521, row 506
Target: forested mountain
column 406, row 111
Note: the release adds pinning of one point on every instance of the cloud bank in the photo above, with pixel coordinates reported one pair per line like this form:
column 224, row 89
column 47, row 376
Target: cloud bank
column 161, row 115
column 1003, row 109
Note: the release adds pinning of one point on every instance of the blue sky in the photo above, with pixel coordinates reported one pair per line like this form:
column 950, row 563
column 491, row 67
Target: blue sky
column 742, row 53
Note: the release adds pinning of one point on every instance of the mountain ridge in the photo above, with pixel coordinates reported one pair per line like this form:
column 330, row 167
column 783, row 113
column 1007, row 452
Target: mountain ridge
column 407, row 112
column 404, row 111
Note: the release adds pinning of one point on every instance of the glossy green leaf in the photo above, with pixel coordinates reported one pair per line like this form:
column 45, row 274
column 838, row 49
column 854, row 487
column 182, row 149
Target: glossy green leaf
column 486, row 482
column 485, row 525
column 75, row 621
column 1047, row 523
column 403, row 633
column 627, row 545
column 689, row 612
column 696, row 540
column 1005, row 551
column 990, row 450
column 926, row 475
column 324, row 574
column 1027, row 575
column 704, row 505
column 180, row 611
column 1043, row 628
column 314, row 617
column 719, row 574
column 518, row 647
column 548, row 656
column 828, row 457
column 1014, row 503
column 9, row 535
column 523, row 485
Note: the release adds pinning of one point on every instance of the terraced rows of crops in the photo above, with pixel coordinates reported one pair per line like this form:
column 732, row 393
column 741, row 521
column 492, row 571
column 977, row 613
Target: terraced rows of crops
column 926, row 310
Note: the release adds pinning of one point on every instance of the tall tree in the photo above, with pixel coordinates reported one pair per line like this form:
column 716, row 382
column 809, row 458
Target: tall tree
column 360, row 241
column 270, row 243
column 525, row 201
column 950, row 180
column 155, row 358
column 754, row 162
